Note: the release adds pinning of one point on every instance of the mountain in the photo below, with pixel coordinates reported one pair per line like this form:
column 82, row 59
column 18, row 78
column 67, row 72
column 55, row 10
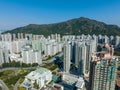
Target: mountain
column 76, row 26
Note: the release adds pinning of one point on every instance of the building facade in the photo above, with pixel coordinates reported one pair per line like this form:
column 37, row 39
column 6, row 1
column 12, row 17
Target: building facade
column 67, row 57
column 102, row 72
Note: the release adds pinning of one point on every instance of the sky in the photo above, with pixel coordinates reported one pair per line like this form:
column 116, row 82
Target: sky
column 17, row 13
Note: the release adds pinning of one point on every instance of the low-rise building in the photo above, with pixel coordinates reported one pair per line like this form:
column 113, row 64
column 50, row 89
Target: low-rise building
column 80, row 84
column 40, row 76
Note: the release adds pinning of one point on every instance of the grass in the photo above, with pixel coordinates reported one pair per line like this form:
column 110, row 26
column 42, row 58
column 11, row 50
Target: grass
column 50, row 66
column 21, row 79
column 21, row 88
column 10, row 78
column 53, row 67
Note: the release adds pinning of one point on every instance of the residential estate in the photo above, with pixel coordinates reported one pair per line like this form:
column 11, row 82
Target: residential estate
column 88, row 61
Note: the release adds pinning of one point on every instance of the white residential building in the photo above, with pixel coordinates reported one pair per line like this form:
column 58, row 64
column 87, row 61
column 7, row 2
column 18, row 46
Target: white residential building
column 31, row 56
column 67, row 56
column 1, row 56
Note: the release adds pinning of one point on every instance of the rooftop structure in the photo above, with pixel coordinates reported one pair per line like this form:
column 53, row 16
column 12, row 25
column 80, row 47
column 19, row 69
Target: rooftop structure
column 41, row 76
column 58, row 87
column 80, row 84
column 69, row 78
column 103, row 70
column 118, row 78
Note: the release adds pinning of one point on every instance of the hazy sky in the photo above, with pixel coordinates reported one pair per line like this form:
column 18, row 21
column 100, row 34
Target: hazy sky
column 16, row 13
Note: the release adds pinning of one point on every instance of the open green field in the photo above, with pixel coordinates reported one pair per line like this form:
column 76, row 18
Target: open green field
column 51, row 66
column 10, row 77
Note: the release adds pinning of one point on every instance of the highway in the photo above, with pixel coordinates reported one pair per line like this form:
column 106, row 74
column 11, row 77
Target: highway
column 3, row 86
column 52, row 59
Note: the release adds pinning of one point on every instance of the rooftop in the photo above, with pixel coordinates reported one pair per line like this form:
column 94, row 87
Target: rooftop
column 37, row 73
column 41, row 70
column 118, row 78
column 80, row 83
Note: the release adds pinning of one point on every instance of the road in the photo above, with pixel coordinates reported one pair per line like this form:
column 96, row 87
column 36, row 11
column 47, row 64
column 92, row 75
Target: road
column 15, row 68
column 3, row 86
column 47, row 61
column 52, row 59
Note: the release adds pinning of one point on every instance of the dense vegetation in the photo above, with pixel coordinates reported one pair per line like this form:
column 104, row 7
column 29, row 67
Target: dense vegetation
column 75, row 26
column 51, row 66
column 10, row 77
column 17, row 64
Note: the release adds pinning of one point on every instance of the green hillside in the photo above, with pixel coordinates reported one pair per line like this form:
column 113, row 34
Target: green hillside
column 75, row 26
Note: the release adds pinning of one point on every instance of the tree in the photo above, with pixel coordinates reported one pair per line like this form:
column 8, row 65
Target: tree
column 34, row 64
column 99, row 48
column 36, row 85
